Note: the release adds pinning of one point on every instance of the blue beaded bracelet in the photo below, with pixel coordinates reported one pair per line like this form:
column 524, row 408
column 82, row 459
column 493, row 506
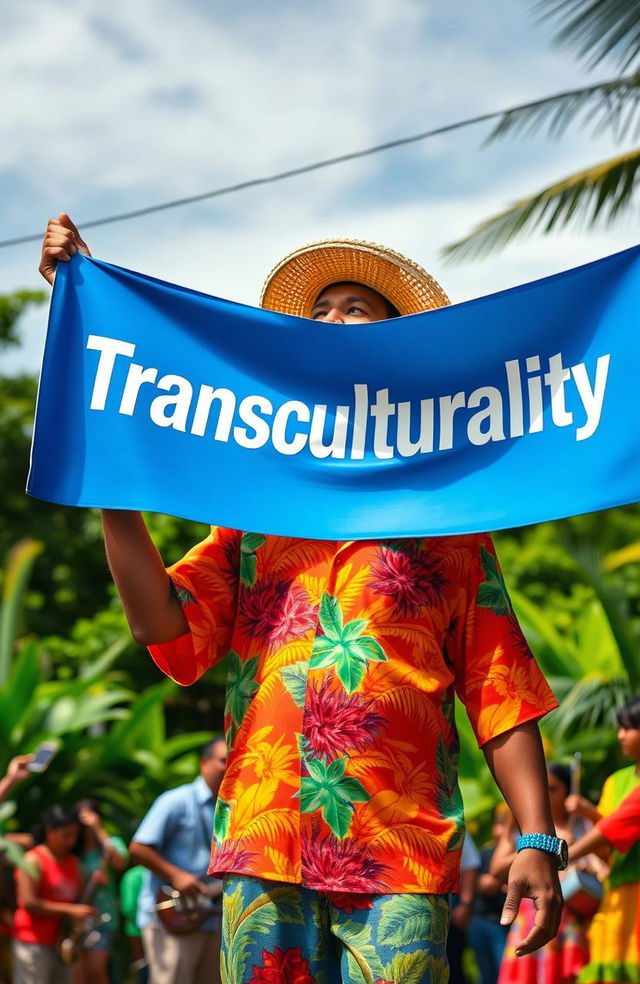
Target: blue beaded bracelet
column 543, row 842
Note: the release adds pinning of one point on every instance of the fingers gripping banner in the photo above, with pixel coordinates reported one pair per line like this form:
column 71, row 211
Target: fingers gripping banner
column 507, row 410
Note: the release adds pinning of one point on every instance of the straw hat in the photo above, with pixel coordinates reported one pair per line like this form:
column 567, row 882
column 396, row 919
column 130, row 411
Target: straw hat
column 293, row 286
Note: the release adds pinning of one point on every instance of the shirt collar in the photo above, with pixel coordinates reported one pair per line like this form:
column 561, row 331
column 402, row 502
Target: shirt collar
column 202, row 791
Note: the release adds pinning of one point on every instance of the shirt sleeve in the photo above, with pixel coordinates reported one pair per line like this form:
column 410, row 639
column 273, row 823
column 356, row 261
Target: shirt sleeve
column 206, row 584
column 497, row 677
column 622, row 827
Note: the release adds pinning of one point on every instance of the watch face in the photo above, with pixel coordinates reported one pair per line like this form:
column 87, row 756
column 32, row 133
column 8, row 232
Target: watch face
column 563, row 855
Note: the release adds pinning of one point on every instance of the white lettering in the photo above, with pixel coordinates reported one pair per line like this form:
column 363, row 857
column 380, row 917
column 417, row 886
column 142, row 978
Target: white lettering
column 109, row 349
column 259, row 426
column 448, row 407
column 206, row 397
column 381, row 411
column 406, row 447
column 337, row 448
column 180, row 401
column 555, row 380
column 592, row 399
column 280, row 422
column 136, row 376
column 491, row 413
column 534, row 388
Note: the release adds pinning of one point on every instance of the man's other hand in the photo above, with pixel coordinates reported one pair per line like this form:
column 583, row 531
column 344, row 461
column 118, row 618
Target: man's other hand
column 534, row 875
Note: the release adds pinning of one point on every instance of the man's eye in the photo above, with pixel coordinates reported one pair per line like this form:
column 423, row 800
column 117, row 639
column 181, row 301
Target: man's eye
column 356, row 309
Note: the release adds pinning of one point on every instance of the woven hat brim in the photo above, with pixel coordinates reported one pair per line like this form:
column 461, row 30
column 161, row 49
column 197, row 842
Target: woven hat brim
column 293, row 286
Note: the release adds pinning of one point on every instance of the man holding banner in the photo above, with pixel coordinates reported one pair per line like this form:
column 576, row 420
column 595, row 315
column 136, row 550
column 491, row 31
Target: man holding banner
column 339, row 824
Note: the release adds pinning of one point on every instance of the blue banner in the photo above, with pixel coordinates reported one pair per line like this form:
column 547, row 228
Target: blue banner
column 507, row 410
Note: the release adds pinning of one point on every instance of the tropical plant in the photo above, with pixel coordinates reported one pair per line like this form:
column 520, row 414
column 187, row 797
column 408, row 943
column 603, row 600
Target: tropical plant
column 112, row 741
column 590, row 659
column 599, row 29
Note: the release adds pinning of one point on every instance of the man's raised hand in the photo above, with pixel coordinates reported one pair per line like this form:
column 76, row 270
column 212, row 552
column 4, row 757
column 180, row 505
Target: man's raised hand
column 61, row 241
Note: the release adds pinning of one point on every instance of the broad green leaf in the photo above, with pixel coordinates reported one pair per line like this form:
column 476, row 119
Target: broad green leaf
column 350, row 671
column 492, row 593
column 248, row 569
column 250, row 542
column 330, row 617
column 336, row 769
column 312, row 796
column 354, row 629
column 241, row 686
column 294, row 678
column 324, row 653
column 353, row 791
column 221, row 821
column 317, row 769
column 404, row 919
column 368, row 648
column 410, row 968
column 338, row 817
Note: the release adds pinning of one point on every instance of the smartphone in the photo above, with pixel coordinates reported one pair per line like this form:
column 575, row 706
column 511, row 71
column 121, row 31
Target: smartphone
column 43, row 755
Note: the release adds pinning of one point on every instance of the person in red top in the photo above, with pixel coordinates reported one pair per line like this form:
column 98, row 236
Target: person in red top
column 620, row 830
column 339, row 824
column 46, row 895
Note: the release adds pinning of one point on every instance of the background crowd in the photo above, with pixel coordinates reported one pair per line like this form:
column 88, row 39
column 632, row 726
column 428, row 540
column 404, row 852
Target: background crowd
column 79, row 881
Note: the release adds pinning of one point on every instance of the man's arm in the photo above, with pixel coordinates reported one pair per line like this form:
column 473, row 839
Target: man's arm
column 181, row 880
column 516, row 760
column 153, row 611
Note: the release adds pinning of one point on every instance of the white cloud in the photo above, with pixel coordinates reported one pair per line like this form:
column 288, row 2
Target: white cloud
column 121, row 106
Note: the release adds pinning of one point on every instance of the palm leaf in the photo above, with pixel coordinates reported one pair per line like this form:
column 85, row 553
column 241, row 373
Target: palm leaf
column 598, row 28
column 618, row 558
column 605, row 105
column 598, row 192
column 16, row 577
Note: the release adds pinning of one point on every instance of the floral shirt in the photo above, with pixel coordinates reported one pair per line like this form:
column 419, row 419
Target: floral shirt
column 343, row 661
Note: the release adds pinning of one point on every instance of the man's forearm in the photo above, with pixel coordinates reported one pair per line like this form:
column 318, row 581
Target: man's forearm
column 592, row 841
column 517, row 762
column 151, row 859
column 153, row 612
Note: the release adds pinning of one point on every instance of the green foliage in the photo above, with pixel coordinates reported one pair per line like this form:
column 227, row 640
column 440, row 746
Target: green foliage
column 598, row 29
column 12, row 307
column 344, row 646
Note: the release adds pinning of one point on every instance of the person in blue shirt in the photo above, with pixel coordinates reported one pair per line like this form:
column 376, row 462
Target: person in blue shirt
column 173, row 842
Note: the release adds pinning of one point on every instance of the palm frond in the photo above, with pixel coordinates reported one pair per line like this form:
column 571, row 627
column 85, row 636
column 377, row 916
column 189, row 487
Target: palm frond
column 598, row 28
column 605, row 105
column 598, row 192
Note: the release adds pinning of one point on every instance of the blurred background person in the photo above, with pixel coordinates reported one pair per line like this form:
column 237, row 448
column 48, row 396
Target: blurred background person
column 102, row 856
column 174, row 843
column 131, row 886
column 46, row 896
column 486, row 936
column 613, row 936
column 561, row 960
column 16, row 772
column 461, row 906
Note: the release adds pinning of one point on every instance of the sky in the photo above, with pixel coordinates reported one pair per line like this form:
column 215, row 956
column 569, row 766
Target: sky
column 116, row 107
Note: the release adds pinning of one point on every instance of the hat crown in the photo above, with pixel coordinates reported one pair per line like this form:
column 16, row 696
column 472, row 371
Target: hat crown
column 294, row 283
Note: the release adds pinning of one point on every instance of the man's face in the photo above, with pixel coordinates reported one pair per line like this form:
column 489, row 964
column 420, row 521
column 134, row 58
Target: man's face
column 212, row 768
column 349, row 304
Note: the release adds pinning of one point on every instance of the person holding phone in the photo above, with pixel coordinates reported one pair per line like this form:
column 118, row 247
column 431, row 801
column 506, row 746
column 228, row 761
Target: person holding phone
column 17, row 771
column 45, row 895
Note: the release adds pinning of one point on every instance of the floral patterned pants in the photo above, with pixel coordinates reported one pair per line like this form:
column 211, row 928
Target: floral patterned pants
column 285, row 934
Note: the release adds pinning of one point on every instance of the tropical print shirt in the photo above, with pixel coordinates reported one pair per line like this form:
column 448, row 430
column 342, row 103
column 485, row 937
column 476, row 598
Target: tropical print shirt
column 343, row 659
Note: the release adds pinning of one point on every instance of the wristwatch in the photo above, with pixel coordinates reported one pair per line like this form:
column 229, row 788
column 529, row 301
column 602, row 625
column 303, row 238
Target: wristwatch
column 545, row 842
